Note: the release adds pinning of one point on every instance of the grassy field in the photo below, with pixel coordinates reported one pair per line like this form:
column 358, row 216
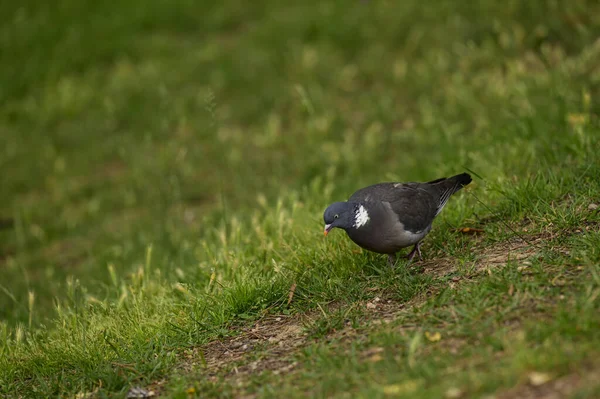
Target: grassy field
column 165, row 166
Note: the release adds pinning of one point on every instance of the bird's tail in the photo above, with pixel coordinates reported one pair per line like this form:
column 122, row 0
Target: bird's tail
column 449, row 186
column 459, row 181
column 456, row 182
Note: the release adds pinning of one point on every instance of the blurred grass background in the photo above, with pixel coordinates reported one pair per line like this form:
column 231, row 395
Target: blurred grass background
column 123, row 126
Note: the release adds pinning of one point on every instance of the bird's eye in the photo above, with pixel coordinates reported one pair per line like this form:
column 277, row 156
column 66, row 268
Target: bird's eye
column 336, row 216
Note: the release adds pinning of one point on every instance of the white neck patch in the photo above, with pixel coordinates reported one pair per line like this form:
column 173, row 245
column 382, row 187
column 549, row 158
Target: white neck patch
column 361, row 217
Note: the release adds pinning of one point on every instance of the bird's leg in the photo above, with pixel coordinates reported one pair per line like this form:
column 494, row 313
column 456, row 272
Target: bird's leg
column 416, row 250
column 391, row 260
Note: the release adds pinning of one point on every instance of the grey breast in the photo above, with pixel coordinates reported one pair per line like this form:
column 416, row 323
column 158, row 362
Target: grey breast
column 384, row 232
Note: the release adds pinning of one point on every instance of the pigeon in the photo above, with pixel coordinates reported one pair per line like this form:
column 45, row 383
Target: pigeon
column 386, row 217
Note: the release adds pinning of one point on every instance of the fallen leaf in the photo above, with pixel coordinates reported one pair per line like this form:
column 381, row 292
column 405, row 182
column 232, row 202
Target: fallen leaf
column 511, row 290
column 592, row 207
column 433, row 337
column 537, row 378
column 469, row 230
column 454, row 393
column 403, row 388
column 371, row 305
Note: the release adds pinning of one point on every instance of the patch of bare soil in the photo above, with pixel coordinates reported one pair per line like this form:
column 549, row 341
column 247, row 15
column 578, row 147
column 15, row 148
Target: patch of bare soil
column 489, row 257
column 265, row 346
column 269, row 344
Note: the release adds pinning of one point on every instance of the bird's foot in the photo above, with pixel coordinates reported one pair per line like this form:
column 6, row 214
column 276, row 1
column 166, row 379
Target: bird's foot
column 416, row 251
column 391, row 260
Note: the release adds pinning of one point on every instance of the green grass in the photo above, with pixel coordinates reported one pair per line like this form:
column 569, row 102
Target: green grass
column 165, row 166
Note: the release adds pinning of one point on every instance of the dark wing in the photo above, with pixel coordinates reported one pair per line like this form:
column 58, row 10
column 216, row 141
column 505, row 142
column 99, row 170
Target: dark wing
column 416, row 204
column 376, row 192
column 444, row 197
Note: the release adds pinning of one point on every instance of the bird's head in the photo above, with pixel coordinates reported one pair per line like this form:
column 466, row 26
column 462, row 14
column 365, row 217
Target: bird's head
column 338, row 214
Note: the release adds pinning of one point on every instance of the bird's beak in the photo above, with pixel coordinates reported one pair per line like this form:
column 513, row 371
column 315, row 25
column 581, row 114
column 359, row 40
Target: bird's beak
column 327, row 228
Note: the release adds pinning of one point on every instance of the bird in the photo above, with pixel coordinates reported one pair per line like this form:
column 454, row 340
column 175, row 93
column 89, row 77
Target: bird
column 387, row 217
